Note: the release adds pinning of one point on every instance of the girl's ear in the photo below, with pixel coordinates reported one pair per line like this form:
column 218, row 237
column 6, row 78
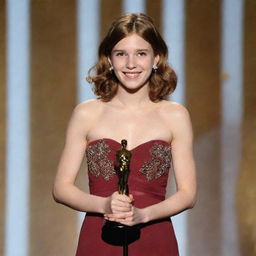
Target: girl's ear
column 156, row 60
column 110, row 62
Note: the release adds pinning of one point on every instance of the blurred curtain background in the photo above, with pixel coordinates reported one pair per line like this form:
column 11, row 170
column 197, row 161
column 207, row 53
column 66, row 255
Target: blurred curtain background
column 46, row 49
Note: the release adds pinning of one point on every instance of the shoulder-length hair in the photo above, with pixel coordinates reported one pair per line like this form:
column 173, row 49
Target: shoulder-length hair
column 162, row 81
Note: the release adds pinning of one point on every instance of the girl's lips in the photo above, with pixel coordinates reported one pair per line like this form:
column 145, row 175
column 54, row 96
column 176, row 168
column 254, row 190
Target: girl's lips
column 132, row 74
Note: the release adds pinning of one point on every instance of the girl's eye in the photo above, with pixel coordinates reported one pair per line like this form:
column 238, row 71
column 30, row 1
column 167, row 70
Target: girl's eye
column 120, row 54
column 142, row 53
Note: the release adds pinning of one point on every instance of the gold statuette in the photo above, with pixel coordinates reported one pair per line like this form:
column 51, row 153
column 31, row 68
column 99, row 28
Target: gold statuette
column 115, row 233
column 123, row 157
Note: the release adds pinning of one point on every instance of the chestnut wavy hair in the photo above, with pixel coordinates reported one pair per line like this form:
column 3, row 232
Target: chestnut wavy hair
column 162, row 81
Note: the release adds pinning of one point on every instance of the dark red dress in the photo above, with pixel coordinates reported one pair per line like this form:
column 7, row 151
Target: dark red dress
column 148, row 177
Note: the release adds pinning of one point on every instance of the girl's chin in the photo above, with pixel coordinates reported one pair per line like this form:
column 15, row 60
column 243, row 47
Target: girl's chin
column 132, row 88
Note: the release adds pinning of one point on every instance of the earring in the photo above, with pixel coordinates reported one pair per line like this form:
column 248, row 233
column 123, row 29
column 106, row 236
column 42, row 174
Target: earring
column 154, row 67
column 111, row 68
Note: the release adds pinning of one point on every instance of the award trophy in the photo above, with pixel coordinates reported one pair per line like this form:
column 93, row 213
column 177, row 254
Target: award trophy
column 123, row 157
column 113, row 232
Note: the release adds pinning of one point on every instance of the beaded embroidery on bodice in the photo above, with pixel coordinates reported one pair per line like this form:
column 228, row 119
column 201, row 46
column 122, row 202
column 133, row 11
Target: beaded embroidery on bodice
column 98, row 162
column 159, row 163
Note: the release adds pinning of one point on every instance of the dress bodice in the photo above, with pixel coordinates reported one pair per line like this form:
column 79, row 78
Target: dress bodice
column 149, row 168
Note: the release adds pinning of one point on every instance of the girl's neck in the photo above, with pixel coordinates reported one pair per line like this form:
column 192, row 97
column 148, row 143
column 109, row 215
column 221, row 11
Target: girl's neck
column 132, row 100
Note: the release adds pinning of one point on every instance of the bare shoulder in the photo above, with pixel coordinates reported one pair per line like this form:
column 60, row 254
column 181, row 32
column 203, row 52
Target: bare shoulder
column 173, row 111
column 84, row 116
column 177, row 118
column 88, row 109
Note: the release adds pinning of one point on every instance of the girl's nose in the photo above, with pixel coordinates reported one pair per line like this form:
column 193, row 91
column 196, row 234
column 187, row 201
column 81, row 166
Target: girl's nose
column 131, row 62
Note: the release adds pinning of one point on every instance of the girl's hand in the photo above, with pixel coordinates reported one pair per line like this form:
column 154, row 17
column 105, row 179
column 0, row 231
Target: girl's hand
column 130, row 218
column 118, row 204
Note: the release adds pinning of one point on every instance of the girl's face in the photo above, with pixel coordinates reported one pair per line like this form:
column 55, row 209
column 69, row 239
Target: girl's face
column 132, row 59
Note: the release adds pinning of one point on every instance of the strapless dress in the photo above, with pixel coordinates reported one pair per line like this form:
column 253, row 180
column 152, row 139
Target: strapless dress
column 149, row 169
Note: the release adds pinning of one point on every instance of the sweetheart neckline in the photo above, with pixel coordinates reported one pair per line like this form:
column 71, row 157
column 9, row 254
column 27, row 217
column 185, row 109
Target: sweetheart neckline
column 139, row 145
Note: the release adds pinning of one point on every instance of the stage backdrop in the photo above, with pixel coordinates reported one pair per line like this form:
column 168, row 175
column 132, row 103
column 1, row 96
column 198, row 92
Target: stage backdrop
column 46, row 49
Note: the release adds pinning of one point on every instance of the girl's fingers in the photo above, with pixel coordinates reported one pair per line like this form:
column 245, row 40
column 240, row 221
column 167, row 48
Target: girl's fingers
column 118, row 215
column 133, row 217
column 121, row 209
column 123, row 198
column 120, row 203
column 117, row 205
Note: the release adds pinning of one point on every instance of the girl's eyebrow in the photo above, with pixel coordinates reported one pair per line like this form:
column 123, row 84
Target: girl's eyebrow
column 137, row 50
column 142, row 50
column 118, row 50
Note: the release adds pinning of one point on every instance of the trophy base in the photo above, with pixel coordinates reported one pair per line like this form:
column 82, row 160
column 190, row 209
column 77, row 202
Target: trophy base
column 115, row 233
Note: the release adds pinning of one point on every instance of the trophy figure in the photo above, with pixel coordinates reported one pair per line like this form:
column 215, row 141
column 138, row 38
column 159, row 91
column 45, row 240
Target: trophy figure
column 123, row 157
column 113, row 232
